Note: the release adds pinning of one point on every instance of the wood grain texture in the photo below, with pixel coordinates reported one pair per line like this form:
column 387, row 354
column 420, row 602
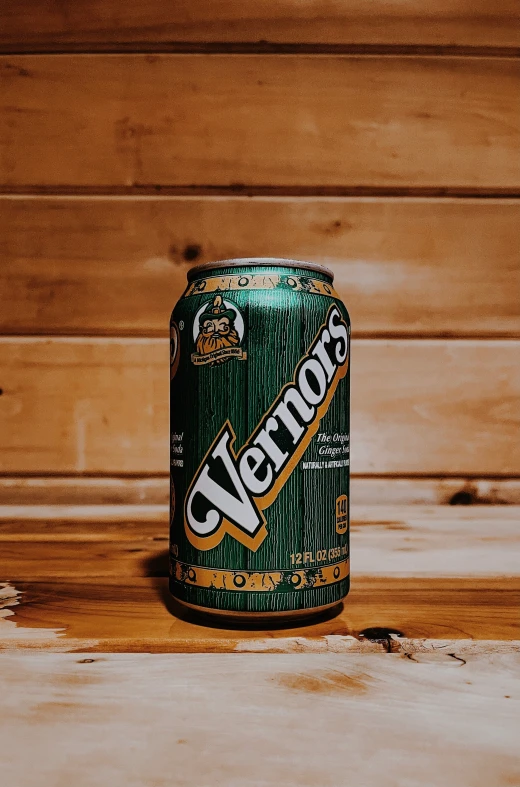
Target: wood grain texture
column 138, row 614
column 438, row 541
column 98, row 492
column 100, row 406
column 92, row 23
column 145, row 716
column 117, row 265
column 286, row 121
column 59, row 513
column 396, row 541
column 24, row 497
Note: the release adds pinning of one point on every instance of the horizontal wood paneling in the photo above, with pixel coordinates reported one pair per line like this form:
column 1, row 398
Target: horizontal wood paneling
column 135, row 614
column 59, row 515
column 96, row 491
column 66, row 559
column 51, row 497
column 100, row 405
column 117, row 265
column 155, row 23
column 85, row 405
column 391, row 541
column 286, row 121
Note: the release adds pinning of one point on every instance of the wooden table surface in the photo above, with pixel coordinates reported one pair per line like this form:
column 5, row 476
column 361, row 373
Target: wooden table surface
column 415, row 682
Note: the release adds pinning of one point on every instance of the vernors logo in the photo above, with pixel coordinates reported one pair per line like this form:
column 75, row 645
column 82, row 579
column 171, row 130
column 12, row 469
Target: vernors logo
column 230, row 491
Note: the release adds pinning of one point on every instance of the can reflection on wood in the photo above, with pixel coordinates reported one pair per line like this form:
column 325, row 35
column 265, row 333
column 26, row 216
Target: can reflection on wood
column 259, row 440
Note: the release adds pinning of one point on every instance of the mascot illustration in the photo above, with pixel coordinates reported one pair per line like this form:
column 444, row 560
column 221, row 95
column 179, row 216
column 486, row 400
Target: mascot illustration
column 218, row 339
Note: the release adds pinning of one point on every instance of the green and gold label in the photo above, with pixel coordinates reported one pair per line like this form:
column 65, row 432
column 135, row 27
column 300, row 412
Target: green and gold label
column 259, row 470
column 218, row 331
column 260, row 581
column 259, row 443
column 261, row 281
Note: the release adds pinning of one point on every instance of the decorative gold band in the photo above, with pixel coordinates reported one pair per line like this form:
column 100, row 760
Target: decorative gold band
column 258, row 581
column 261, row 281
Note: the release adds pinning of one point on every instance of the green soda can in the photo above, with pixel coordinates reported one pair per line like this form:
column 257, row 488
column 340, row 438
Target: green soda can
column 259, row 441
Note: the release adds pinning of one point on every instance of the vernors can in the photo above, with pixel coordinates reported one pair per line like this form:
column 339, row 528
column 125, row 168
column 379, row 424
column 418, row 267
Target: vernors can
column 259, row 354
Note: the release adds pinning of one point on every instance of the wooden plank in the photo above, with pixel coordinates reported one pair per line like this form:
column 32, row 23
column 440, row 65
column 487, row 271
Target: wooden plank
column 90, row 558
column 138, row 614
column 396, row 541
column 436, row 541
column 23, row 497
column 117, row 265
column 280, row 121
column 63, row 528
column 379, row 719
column 151, row 23
column 96, row 492
column 100, row 406
column 82, row 514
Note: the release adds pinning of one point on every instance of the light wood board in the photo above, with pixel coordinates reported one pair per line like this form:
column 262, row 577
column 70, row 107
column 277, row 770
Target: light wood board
column 100, row 406
column 259, row 719
column 259, row 120
column 151, row 23
column 117, row 265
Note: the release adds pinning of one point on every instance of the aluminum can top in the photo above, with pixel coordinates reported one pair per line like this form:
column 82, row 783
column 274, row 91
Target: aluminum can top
column 262, row 262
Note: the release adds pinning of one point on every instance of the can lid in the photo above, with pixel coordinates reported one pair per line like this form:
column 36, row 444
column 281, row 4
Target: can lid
column 266, row 262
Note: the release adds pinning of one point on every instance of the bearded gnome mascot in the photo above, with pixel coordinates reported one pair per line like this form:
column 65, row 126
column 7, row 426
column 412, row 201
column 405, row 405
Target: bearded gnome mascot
column 216, row 329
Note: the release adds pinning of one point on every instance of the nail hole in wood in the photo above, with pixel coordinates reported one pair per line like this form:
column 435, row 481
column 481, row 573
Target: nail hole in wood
column 462, row 498
column 191, row 252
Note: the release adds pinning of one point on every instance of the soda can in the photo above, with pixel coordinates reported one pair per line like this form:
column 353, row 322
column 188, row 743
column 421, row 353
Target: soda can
column 259, row 440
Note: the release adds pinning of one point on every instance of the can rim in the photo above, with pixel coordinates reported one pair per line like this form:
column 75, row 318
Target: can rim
column 265, row 262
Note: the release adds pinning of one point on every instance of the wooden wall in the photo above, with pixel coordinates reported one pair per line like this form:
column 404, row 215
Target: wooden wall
column 381, row 139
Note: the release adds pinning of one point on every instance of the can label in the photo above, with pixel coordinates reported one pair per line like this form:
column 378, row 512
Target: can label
column 273, row 480
column 218, row 332
column 261, row 281
column 258, row 471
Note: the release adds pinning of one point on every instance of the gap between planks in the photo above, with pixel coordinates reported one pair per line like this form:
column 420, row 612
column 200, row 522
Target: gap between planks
column 263, row 48
column 259, row 191
column 151, row 23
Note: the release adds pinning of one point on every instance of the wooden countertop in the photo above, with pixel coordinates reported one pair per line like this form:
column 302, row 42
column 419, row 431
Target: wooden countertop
column 415, row 682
